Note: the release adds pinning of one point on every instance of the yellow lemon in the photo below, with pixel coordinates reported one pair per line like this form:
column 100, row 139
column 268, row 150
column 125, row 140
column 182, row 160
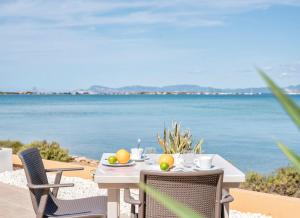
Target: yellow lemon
column 123, row 156
column 167, row 158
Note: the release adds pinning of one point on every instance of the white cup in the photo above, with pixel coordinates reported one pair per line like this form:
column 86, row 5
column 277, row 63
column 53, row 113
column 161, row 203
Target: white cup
column 136, row 153
column 204, row 162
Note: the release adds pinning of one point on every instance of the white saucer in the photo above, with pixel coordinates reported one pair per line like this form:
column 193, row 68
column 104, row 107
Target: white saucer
column 212, row 168
column 141, row 159
column 138, row 160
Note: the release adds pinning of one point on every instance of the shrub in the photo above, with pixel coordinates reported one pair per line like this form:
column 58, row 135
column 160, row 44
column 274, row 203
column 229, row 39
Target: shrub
column 50, row 150
column 284, row 181
column 15, row 145
column 255, row 182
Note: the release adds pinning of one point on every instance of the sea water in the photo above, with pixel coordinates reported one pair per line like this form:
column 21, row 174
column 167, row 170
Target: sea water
column 242, row 129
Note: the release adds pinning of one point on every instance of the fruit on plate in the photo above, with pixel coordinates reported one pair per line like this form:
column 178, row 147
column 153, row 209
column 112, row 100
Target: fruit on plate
column 164, row 166
column 166, row 158
column 112, row 159
column 123, row 156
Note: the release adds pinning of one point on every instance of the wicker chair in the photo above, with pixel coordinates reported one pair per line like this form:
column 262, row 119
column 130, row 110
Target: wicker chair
column 201, row 190
column 44, row 195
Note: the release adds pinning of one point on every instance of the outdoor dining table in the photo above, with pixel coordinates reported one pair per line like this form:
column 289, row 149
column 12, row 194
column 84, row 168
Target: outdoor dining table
column 115, row 178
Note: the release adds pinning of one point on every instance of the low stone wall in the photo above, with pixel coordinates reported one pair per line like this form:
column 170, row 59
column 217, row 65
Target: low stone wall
column 276, row 206
column 245, row 201
column 85, row 174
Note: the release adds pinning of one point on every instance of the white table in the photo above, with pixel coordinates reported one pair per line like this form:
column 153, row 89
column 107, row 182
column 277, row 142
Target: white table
column 115, row 178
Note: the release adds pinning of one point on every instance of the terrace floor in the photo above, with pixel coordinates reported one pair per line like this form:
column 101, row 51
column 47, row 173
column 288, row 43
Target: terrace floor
column 15, row 202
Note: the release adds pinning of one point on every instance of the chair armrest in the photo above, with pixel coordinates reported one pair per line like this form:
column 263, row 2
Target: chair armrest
column 48, row 186
column 64, row 169
column 226, row 197
column 129, row 199
column 59, row 172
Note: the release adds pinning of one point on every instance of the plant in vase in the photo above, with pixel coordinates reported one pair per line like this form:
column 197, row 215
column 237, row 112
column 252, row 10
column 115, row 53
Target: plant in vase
column 176, row 142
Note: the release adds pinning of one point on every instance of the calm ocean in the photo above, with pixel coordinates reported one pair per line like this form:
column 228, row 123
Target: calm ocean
column 243, row 129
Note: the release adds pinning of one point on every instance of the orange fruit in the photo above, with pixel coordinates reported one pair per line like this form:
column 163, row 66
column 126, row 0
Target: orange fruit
column 167, row 158
column 123, row 156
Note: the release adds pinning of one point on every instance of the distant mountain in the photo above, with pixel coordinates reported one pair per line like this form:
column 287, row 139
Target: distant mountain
column 174, row 88
column 139, row 89
column 101, row 89
column 178, row 89
column 296, row 87
column 187, row 88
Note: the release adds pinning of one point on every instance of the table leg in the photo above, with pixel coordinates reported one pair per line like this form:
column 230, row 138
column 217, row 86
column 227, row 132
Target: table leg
column 113, row 203
column 226, row 207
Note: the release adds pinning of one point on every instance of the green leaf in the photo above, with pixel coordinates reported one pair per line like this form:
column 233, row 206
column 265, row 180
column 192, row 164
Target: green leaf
column 176, row 207
column 172, row 142
column 294, row 158
column 165, row 136
column 288, row 104
column 176, row 129
column 198, row 147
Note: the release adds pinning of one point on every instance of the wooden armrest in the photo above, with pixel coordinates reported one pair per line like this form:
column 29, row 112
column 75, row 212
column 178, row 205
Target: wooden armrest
column 226, row 197
column 129, row 199
column 64, row 169
column 48, row 186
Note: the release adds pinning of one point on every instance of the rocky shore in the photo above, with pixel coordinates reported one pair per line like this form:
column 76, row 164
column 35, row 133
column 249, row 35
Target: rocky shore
column 85, row 161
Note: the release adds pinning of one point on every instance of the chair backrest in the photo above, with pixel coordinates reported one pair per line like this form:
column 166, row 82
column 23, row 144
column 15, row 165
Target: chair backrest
column 35, row 173
column 201, row 191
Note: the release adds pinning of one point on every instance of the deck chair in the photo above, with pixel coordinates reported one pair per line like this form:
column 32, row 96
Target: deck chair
column 44, row 195
column 199, row 190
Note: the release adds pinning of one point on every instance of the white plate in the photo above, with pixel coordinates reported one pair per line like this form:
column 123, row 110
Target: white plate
column 130, row 163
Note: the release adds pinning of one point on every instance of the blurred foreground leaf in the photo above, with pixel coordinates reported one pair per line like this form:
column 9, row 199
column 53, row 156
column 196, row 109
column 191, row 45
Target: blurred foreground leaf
column 291, row 108
column 287, row 103
column 176, row 207
column 294, row 158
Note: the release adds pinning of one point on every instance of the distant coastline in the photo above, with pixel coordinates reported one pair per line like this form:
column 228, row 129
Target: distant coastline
column 151, row 90
column 140, row 93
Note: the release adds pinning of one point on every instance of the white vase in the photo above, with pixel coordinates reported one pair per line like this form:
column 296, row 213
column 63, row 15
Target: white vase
column 6, row 159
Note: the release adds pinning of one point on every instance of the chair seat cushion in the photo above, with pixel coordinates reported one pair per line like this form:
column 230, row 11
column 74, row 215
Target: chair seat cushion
column 84, row 207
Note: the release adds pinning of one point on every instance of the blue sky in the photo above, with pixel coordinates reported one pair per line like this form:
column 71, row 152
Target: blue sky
column 68, row 44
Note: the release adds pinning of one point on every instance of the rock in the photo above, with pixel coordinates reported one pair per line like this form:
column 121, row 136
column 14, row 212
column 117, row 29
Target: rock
column 85, row 161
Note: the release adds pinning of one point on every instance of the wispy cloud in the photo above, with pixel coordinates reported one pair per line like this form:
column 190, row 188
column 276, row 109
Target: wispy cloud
column 59, row 14
column 22, row 21
column 125, row 36
column 72, row 13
